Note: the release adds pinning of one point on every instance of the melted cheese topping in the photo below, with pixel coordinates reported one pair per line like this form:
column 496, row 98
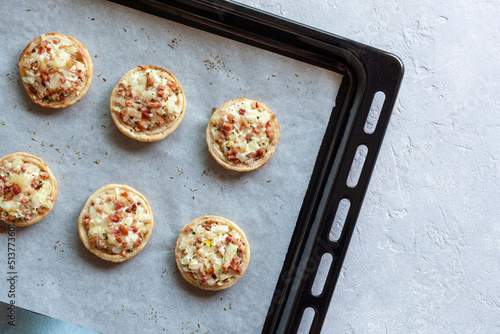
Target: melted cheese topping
column 117, row 221
column 55, row 69
column 25, row 191
column 211, row 252
column 148, row 99
column 242, row 131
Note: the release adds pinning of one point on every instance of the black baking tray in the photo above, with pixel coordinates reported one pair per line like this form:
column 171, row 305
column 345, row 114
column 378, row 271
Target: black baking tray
column 366, row 71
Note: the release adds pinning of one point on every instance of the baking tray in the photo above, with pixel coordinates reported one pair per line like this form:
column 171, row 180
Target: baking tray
column 347, row 154
column 58, row 281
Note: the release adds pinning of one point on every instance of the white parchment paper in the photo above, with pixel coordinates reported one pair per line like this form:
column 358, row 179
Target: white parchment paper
column 57, row 276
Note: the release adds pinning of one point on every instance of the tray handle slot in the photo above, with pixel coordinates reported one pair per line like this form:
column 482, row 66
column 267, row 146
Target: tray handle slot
column 374, row 113
column 339, row 219
column 320, row 278
column 306, row 321
column 357, row 166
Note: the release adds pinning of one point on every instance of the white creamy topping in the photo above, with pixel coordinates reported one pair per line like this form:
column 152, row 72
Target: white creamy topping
column 34, row 198
column 57, row 69
column 247, row 132
column 118, row 220
column 155, row 99
column 212, row 252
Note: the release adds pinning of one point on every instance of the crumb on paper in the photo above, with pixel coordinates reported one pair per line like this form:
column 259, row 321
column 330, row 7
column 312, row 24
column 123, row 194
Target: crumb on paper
column 296, row 75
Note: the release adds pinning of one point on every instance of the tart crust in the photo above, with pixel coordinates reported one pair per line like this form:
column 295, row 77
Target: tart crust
column 38, row 166
column 220, row 128
column 155, row 117
column 71, row 72
column 118, row 226
column 195, row 277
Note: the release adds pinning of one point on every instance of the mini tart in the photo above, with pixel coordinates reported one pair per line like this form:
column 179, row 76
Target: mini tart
column 56, row 70
column 28, row 189
column 116, row 222
column 148, row 103
column 212, row 253
column 242, row 135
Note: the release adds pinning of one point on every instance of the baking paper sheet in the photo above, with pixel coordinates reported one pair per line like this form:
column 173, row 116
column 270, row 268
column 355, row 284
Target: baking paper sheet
column 57, row 276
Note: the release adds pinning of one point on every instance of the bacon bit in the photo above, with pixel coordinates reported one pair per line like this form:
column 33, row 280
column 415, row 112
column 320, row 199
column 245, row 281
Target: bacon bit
column 160, row 92
column 138, row 241
column 119, row 205
column 230, row 117
column 24, row 200
column 98, row 208
column 154, row 105
column 123, row 229
column 33, row 90
column 16, row 189
column 242, row 112
column 142, row 125
column 124, row 245
column 135, row 229
column 94, row 240
column 44, row 175
column 259, row 128
column 270, row 134
column 134, row 207
column 125, row 118
column 228, row 239
column 114, row 217
column 118, row 239
column 214, row 276
column 198, row 238
column 79, row 55
column 227, row 126
column 62, row 97
column 128, row 103
column 149, row 81
column 172, row 85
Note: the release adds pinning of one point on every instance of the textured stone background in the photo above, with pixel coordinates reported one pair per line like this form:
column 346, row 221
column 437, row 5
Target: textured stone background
column 425, row 254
